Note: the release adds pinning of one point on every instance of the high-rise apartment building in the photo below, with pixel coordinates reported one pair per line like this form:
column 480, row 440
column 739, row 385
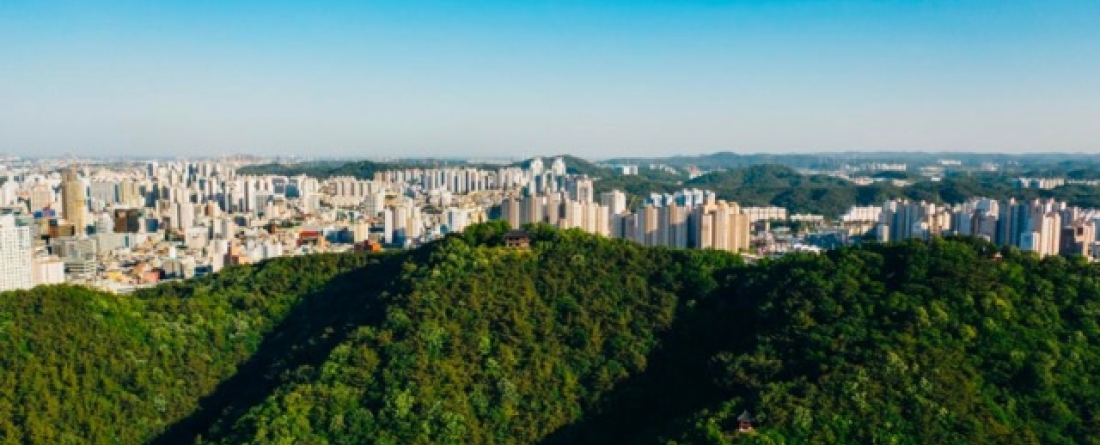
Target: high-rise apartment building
column 533, row 208
column 374, row 203
column 41, row 197
column 48, row 270
column 510, row 211
column 720, row 226
column 73, row 200
column 615, row 201
column 581, row 189
column 16, row 255
column 674, row 219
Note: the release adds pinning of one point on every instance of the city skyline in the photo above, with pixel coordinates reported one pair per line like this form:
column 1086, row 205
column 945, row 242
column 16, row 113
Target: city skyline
column 606, row 79
column 123, row 227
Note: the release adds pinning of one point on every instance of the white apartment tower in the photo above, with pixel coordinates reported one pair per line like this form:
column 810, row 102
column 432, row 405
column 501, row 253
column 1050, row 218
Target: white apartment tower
column 16, row 255
column 615, row 201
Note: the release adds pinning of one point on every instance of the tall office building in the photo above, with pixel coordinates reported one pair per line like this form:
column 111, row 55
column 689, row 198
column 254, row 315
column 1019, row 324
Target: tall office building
column 73, row 200
column 16, row 255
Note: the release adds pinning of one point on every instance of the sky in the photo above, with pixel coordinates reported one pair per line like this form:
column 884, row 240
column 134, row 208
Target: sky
column 597, row 79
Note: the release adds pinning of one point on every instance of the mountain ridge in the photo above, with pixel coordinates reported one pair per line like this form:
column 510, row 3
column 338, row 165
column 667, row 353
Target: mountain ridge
column 578, row 339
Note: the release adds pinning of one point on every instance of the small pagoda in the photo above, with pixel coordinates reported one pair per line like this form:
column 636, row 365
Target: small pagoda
column 517, row 239
column 744, row 422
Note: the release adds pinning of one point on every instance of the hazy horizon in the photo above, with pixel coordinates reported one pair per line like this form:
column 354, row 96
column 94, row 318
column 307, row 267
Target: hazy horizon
column 597, row 80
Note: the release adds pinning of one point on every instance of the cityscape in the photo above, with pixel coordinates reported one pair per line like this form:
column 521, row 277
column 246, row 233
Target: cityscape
column 125, row 226
column 425, row 222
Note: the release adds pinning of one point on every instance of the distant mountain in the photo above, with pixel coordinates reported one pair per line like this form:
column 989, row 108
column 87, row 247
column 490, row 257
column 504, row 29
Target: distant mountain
column 357, row 169
column 834, row 160
column 320, row 170
column 576, row 340
column 763, row 176
column 777, row 185
column 729, row 160
column 573, row 165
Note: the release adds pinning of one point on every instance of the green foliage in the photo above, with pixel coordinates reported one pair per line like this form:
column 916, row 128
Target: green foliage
column 487, row 344
column 577, row 340
column 766, row 185
column 908, row 343
column 81, row 366
column 329, row 169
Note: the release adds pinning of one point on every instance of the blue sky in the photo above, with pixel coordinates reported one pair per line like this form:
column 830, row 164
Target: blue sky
column 596, row 79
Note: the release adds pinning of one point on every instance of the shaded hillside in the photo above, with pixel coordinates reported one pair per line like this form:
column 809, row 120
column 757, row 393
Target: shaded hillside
column 489, row 345
column 81, row 366
column 909, row 343
column 369, row 342
column 577, row 340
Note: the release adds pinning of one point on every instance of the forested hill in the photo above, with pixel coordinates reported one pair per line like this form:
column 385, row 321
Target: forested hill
column 367, row 169
column 355, row 169
column 573, row 166
column 578, row 340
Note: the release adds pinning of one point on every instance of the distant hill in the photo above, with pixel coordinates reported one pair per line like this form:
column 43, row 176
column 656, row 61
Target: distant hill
column 833, row 160
column 357, row 169
column 320, row 170
column 764, row 176
column 760, row 184
column 768, row 185
column 573, row 166
column 577, row 340
column 729, row 160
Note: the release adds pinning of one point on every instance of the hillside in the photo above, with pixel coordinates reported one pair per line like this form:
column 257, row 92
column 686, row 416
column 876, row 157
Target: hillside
column 767, row 185
column 1018, row 163
column 80, row 366
column 578, row 340
column 728, row 160
column 573, row 166
column 356, row 169
column 320, row 170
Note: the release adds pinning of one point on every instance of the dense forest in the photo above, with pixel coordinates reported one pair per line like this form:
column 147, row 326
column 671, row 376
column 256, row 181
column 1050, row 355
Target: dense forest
column 576, row 340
